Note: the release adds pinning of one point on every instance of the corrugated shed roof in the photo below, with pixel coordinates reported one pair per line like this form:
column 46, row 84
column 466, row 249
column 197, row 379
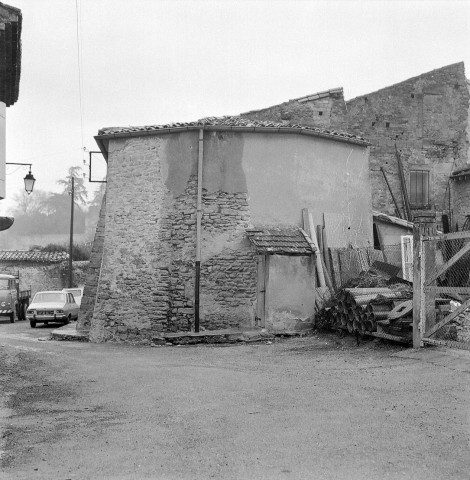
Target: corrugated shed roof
column 280, row 241
column 231, row 123
column 33, row 256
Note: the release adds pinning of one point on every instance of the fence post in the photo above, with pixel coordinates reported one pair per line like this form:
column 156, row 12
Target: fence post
column 423, row 264
column 417, row 287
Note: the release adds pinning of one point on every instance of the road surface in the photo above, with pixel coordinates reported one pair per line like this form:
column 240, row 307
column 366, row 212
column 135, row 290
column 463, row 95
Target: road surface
column 316, row 407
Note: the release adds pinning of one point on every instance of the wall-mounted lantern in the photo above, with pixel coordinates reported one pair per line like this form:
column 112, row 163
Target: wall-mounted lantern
column 28, row 179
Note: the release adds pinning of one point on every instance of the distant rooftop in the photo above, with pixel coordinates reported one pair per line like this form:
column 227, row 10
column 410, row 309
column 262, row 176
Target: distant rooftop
column 33, row 256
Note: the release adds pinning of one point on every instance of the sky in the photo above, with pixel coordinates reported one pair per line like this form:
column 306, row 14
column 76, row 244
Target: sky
column 89, row 64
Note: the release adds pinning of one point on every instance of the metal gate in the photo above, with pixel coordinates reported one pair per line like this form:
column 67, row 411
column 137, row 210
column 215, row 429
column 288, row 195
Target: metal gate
column 441, row 297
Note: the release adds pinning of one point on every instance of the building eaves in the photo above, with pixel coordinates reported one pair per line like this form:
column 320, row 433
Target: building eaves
column 280, row 241
column 10, row 53
column 236, row 124
column 32, row 256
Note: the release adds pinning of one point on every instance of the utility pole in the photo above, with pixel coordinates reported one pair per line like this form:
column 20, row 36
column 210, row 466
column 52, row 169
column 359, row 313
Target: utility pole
column 72, row 194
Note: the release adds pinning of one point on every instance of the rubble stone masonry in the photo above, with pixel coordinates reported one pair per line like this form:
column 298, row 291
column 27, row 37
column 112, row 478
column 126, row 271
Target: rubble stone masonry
column 146, row 281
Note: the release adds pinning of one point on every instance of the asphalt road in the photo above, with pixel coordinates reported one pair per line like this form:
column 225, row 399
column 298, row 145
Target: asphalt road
column 312, row 408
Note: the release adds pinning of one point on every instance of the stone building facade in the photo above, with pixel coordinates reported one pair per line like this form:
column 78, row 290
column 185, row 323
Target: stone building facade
column 424, row 119
column 254, row 174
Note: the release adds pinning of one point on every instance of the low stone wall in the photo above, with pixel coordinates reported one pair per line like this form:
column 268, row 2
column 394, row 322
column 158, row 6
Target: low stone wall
column 40, row 276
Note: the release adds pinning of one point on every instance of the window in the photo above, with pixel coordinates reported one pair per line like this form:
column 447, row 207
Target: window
column 419, row 188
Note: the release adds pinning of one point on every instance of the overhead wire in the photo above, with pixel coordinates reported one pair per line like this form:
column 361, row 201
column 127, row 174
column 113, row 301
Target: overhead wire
column 79, row 62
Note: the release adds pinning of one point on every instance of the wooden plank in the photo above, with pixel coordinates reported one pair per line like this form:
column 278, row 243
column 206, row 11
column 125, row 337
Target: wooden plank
column 448, row 236
column 447, row 343
column 406, row 201
column 381, row 241
column 394, row 338
column 417, row 285
column 397, row 210
column 449, row 290
column 260, row 292
column 326, row 255
column 307, row 220
column 266, row 286
column 350, row 265
column 448, row 318
column 452, row 261
column 429, row 254
column 336, row 267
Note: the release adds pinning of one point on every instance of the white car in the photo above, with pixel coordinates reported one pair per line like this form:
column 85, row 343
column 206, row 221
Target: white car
column 52, row 306
column 76, row 292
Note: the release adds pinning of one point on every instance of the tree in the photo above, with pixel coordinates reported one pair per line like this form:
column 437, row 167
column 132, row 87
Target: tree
column 81, row 193
column 30, row 204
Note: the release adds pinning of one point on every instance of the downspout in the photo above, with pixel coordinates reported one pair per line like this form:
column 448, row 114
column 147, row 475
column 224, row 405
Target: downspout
column 200, row 158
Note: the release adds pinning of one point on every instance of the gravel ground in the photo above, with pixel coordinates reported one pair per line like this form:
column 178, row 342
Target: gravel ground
column 301, row 408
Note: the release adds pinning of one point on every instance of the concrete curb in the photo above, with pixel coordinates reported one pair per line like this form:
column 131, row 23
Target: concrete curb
column 69, row 333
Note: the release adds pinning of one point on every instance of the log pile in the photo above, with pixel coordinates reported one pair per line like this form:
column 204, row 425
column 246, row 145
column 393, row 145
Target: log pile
column 366, row 310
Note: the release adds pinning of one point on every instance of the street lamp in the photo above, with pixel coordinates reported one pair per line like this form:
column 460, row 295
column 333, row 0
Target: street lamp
column 28, row 179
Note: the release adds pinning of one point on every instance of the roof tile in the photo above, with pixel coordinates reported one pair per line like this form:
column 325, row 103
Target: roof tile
column 33, row 256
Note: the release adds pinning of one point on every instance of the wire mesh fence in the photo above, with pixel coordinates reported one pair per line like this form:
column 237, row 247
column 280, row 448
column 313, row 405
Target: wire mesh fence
column 446, row 272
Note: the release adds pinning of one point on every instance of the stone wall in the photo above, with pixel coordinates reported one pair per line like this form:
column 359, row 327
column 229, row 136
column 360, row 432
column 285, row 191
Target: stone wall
column 149, row 253
column 324, row 112
column 41, row 276
column 427, row 117
column 92, row 274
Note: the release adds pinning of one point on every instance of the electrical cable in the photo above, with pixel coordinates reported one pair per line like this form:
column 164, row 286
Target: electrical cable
column 78, row 20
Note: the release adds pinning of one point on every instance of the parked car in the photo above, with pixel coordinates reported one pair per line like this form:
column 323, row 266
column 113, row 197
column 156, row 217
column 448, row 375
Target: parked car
column 52, row 306
column 76, row 292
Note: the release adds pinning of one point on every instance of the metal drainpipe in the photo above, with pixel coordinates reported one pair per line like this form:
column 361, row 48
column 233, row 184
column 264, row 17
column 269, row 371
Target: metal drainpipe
column 198, row 229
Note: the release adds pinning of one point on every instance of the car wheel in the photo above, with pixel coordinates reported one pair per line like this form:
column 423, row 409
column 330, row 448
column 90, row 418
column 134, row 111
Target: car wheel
column 32, row 323
column 67, row 320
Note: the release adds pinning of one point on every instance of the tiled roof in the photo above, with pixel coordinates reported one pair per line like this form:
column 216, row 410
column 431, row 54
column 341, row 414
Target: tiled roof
column 280, row 241
column 318, row 95
column 34, row 256
column 230, row 123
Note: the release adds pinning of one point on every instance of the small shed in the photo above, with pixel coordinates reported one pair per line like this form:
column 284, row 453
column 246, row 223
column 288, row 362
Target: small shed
column 285, row 278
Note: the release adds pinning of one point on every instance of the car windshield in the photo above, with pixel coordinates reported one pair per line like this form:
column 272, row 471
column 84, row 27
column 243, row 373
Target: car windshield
column 3, row 283
column 49, row 297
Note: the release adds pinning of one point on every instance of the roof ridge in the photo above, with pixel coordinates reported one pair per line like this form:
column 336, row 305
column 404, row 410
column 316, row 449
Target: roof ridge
column 230, row 122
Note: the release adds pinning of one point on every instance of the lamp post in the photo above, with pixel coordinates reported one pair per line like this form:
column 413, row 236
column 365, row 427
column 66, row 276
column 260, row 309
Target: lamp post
column 28, row 179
